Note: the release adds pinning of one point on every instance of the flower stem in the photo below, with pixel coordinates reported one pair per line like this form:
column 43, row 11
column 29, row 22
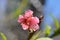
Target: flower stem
column 30, row 35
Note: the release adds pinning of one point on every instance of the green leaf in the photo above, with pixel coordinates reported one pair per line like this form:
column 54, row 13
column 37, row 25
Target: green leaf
column 35, row 35
column 47, row 29
column 55, row 21
column 44, row 38
column 3, row 36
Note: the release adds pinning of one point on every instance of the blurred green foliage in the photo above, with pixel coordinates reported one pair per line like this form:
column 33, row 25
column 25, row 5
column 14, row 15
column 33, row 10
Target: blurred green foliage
column 57, row 30
column 47, row 29
column 56, row 22
column 3, row 36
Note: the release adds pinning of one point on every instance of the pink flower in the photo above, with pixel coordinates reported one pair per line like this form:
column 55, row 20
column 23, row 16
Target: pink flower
column 28, row 21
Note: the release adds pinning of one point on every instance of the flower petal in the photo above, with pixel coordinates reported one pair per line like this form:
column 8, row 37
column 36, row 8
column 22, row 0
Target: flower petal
column 21, row 18
column 34, row 20
column 24, row 26
column 34, row 27
column 28, row 13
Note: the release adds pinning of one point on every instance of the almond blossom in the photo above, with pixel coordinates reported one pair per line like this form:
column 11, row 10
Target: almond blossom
column 28, row 21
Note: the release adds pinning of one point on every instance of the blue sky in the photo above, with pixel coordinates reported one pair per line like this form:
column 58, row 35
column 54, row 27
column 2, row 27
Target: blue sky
column 51, row 6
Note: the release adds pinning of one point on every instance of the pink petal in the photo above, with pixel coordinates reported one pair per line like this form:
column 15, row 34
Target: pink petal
column 34, row 27
column 28, row 13
column 34, row 20
column 21, row 18
column 24, row 26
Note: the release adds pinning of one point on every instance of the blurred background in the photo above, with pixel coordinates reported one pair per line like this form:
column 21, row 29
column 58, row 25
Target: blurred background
column 11, row 9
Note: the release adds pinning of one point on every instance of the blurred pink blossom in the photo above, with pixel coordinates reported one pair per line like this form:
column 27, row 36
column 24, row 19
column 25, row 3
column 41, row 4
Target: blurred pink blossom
column 28, row 22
